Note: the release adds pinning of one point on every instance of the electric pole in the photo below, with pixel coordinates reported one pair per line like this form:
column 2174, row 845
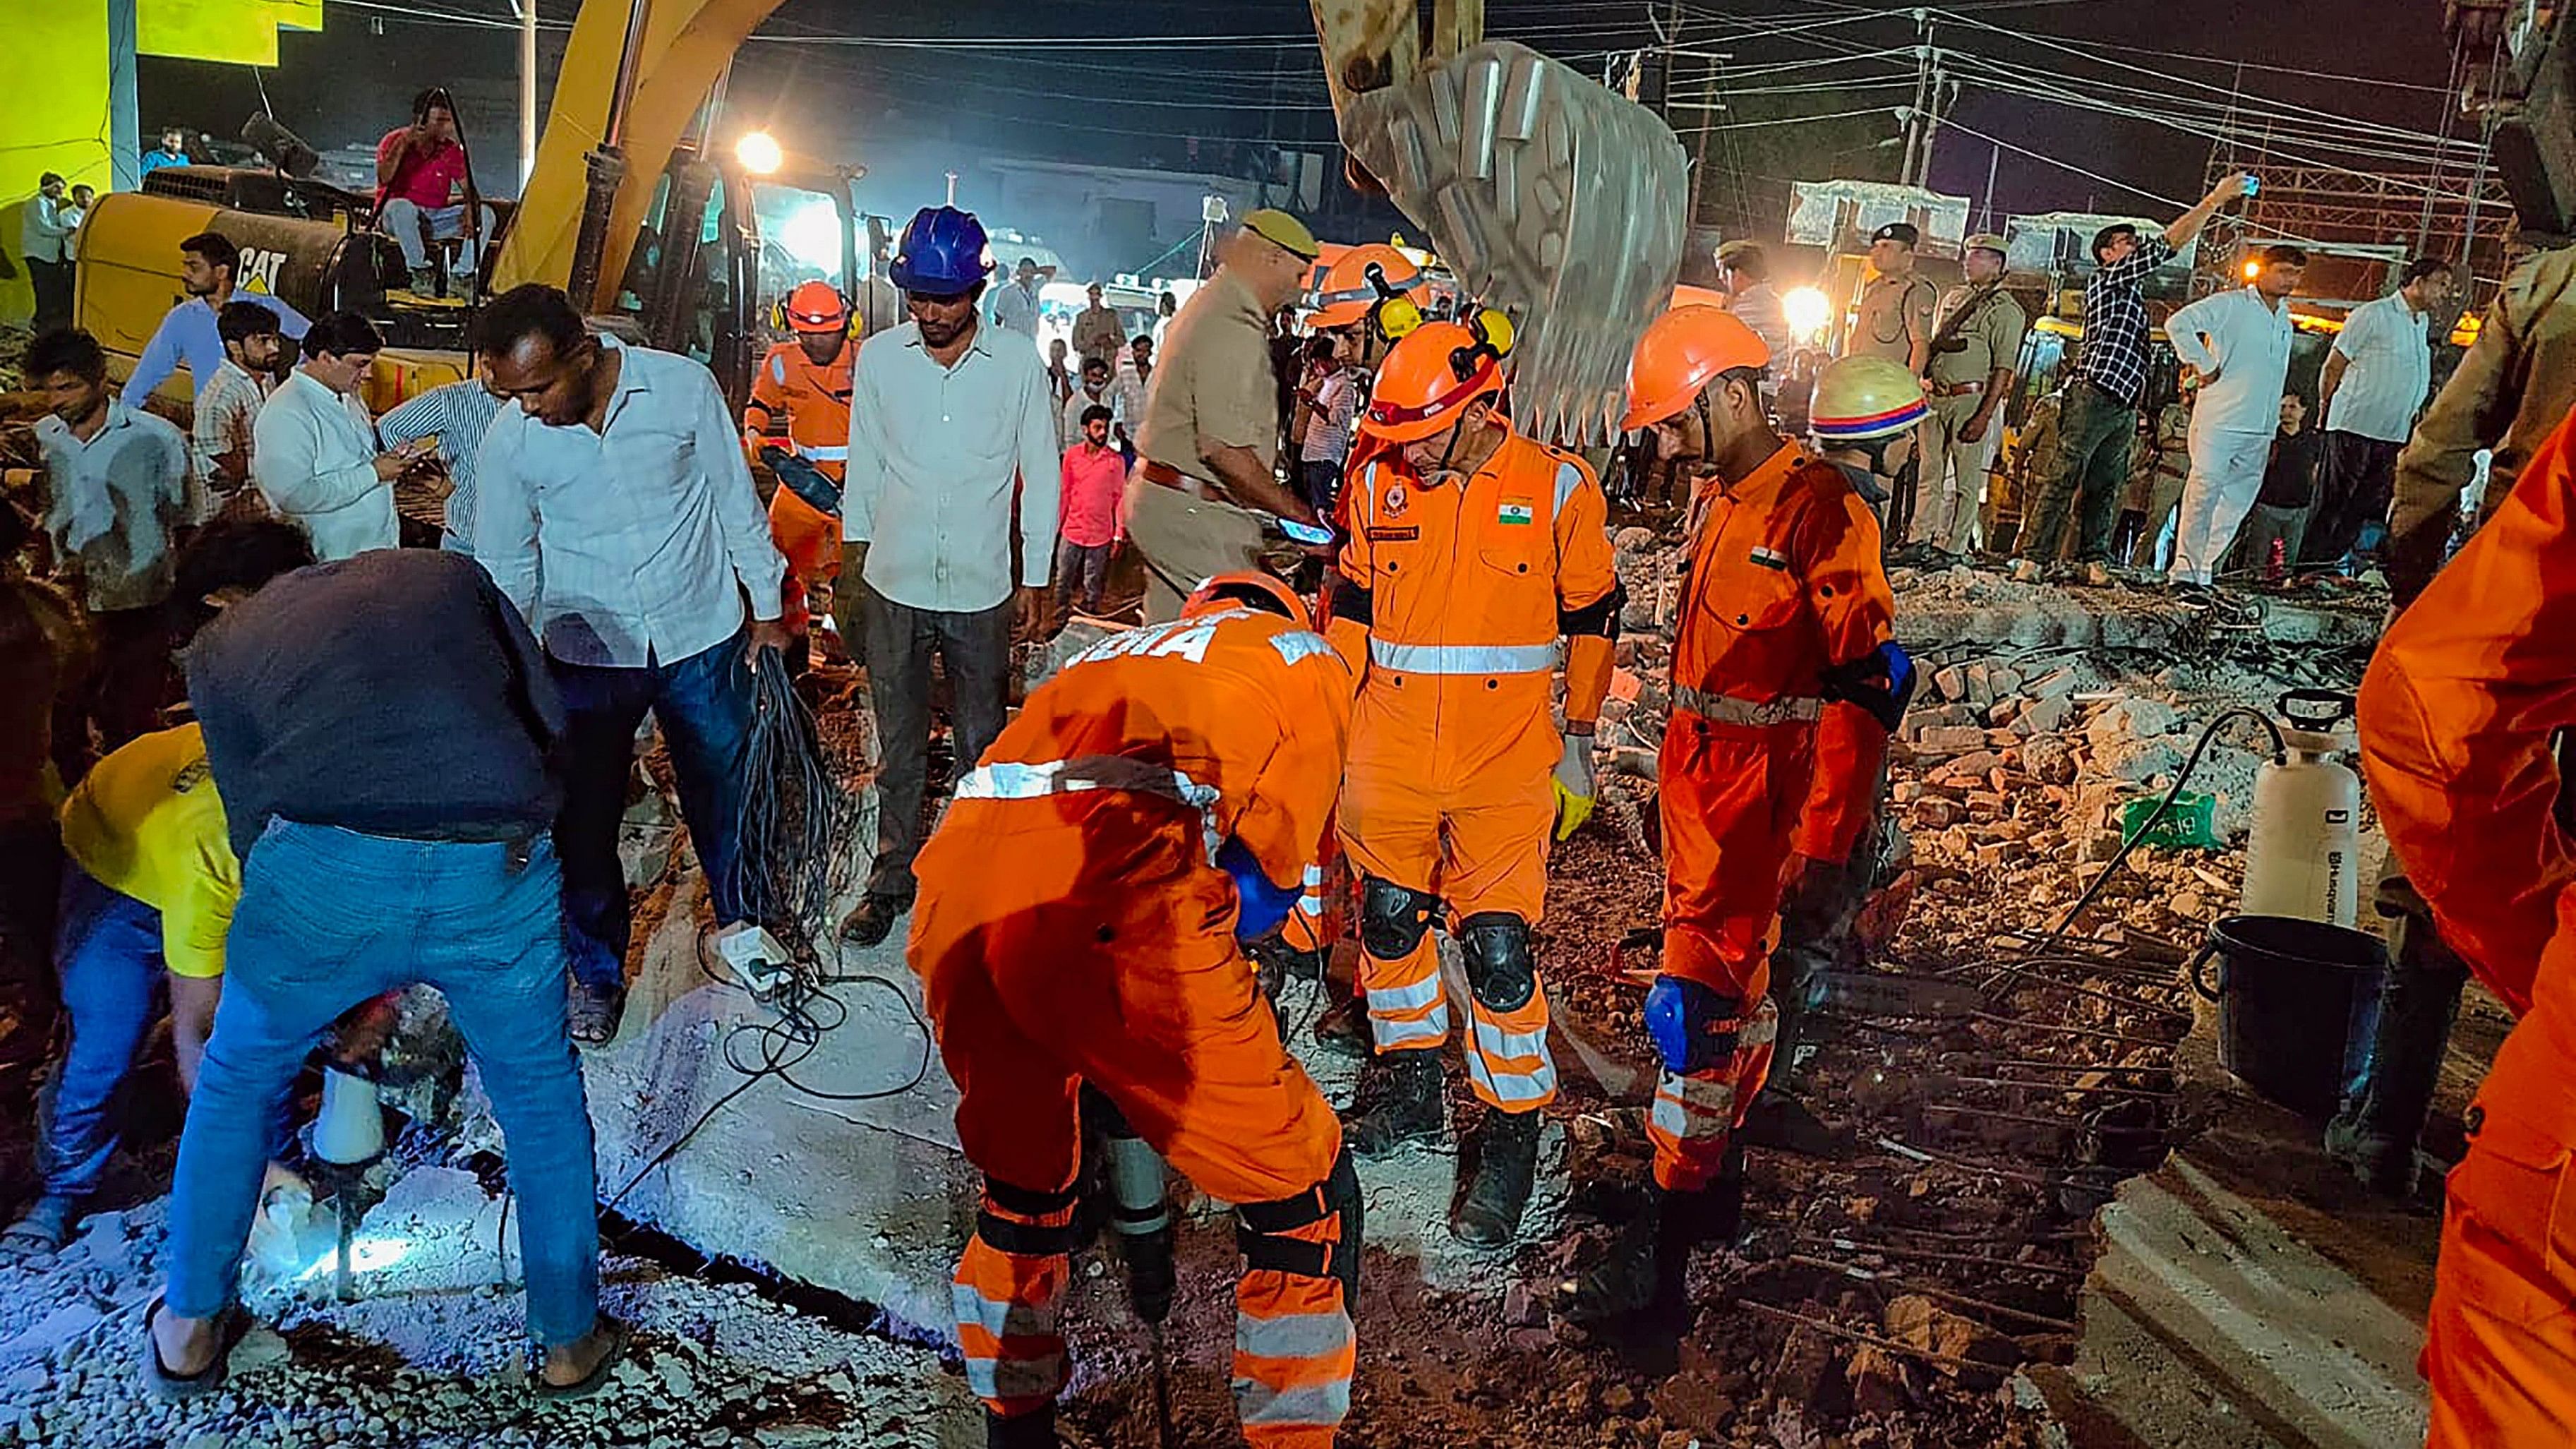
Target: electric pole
column 1916, row 131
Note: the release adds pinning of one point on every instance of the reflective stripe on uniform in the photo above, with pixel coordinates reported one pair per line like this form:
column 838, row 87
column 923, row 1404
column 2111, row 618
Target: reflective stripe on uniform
column 1258, row 1404
column 1727, row 709
column 1694, row 1106
column 1463, row 658
column 1311, row 901
column 1568, row 478
column 1015, row 1378
column 821, row 454
column 1510, row 1087
column 999, row 1317
column 1017, row 780
column 1405, row 999
column 1394, row 1033
column 1509, row 1045
column 1291, row 1335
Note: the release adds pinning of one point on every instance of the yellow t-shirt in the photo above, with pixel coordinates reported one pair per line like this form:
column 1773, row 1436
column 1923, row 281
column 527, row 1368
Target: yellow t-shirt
column 146, row 823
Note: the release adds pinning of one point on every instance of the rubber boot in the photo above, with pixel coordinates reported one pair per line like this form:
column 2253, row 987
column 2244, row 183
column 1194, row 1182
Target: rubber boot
column 1405, row 1108
column 1642, row 1279
column 2376, row 1131
column 1034, row 1430
column 1489, row 1216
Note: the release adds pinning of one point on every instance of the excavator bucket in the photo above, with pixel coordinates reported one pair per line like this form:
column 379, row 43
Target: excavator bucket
column 1551, row 199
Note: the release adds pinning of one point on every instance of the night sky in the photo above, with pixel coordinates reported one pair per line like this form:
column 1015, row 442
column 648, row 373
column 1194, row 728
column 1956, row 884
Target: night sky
column 912, row 112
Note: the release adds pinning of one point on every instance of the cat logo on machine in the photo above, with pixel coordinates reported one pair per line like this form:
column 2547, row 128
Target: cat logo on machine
column 258, row 270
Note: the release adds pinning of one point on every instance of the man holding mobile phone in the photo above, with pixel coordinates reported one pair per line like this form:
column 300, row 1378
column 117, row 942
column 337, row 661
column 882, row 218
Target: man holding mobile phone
column 314, row 451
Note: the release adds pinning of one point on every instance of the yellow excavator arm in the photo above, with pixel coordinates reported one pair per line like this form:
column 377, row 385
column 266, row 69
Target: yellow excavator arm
column 684, row 46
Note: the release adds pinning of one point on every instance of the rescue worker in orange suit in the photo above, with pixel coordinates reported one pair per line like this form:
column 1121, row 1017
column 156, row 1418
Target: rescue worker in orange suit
column 1863, row 419
column 1473, row 550
column 1374, row 294
column 1784, row 610
column 804, row 383
column 1158, row 800
column 2457, row 713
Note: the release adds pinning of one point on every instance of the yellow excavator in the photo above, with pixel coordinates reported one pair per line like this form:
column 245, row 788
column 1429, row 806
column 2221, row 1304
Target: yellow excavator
column 1551, row 198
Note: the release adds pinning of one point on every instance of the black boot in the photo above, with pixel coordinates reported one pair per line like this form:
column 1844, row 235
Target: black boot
column 1490, row 1214
column 1034, row 1430
column 1642, row 1279
column 1405, row 1108
column 2375, row 1132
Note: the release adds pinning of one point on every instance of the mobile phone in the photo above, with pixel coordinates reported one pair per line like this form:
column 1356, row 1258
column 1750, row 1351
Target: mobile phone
column 2253, row 184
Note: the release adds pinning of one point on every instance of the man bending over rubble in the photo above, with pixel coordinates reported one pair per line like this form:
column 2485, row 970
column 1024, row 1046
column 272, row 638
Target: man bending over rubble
column 391, row 809
column 1151, row 800
column 1786, row 611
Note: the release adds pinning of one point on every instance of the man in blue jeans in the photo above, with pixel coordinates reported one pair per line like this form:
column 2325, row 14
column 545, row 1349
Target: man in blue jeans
column 614, row 508
column 391, row 807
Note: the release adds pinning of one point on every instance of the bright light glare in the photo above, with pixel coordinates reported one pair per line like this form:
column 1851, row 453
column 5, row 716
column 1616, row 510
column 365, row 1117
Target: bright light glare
column 367, row 1253
column 812, row 234
column 2253, row 269
column 1808, row 311
column 759, row 153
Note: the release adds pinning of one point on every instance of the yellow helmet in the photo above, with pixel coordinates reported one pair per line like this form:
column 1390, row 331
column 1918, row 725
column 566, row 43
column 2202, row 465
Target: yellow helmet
column 1861, row 398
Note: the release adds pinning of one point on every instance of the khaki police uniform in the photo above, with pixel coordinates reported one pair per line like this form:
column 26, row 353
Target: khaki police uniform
column 1894, row 314
column 1989, row 325
column 1212, row 381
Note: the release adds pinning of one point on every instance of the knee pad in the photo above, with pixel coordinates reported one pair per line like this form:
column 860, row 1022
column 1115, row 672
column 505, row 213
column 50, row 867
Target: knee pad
column 1261, row 1230
column 1014, row 1220
column 1693, row 1025
column 1393, row 919
column 1500, row 969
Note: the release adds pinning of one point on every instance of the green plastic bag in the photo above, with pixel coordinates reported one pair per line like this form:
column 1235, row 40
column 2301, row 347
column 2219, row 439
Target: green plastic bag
column 2192, row 823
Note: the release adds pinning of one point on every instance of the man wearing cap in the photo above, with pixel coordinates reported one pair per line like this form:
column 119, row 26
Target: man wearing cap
column 1096, row 330
column 2084, row 474
column 1894, row 319
column 1208, row 451
column 804, row 387
column 1744, row 272
column 1970, row 378
column 952, row 462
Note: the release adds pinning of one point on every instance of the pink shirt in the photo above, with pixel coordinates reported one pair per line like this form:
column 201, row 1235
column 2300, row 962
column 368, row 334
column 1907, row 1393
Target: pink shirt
column 427, row 177
column 1094, row 479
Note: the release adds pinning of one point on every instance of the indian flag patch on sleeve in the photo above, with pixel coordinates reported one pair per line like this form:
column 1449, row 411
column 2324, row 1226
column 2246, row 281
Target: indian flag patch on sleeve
column 1515, row 510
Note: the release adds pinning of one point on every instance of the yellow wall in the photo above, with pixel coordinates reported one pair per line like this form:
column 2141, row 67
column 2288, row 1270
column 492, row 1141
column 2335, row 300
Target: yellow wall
column 53, row 109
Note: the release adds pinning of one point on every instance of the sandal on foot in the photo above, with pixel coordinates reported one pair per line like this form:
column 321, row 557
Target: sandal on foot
column 168, row 1384
column 620, row 1338
column 41, row 1231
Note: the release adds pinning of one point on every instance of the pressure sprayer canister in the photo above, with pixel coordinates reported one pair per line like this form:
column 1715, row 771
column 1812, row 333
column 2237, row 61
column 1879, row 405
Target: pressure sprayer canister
column 2303, row 855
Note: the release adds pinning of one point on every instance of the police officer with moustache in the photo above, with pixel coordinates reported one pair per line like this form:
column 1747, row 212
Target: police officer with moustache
column 1968, row 379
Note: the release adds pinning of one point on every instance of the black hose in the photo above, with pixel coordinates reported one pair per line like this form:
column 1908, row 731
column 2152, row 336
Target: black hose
column 2280, row 754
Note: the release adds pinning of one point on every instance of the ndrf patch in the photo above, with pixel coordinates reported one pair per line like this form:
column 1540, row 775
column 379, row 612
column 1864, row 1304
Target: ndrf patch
column 1515, row 510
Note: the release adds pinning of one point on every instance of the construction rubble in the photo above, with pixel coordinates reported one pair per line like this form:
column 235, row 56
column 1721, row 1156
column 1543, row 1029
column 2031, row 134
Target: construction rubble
column 1918, row 1237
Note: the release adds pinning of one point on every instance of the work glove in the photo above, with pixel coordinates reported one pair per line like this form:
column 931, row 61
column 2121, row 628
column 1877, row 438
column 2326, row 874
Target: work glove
column 1575, row 788
column 1261, row 906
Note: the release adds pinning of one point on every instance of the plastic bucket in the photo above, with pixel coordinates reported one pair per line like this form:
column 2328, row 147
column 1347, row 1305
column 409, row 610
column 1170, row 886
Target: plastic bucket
column 2296, row 1000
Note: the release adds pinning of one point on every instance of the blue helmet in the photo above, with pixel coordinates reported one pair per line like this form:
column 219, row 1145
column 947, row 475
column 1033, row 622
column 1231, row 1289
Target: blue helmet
column 943, row 253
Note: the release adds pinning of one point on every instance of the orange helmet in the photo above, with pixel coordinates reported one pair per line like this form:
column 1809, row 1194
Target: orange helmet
column 1346, row 293
column 817, row 307
column 1681, row 353
column 1429, row 379
column 1247, row 586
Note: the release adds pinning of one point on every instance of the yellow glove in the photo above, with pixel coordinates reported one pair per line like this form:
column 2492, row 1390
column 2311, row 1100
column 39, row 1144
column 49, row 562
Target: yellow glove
column 1573, row 782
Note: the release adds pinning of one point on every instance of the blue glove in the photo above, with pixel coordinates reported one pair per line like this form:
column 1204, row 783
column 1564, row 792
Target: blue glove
column 1261, row 907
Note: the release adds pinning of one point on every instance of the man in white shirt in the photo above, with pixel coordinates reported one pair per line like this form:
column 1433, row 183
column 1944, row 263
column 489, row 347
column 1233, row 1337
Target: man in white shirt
column 615, row 509
column 946, row 417
column 2376, row 380
column 44, row 240
column 116, row 480
column 2240, row 343
column 1133, row 375
column 314, row 452
column 1016, row 306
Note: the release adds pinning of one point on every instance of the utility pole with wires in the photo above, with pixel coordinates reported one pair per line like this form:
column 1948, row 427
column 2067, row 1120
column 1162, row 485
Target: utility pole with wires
column 528, row 119
column 1917, row 116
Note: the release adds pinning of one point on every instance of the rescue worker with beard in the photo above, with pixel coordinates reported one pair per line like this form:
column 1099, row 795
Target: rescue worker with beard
column 805, row 382
column 1784, row 610
column 1472, row 551
column 1151, row 797
column 1863, row 421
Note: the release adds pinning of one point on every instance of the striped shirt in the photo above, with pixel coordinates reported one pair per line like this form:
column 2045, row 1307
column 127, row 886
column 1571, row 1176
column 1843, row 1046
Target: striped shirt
column 1328, row 438
column 226, row 408
column 457, row 415
column 2115, row 321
